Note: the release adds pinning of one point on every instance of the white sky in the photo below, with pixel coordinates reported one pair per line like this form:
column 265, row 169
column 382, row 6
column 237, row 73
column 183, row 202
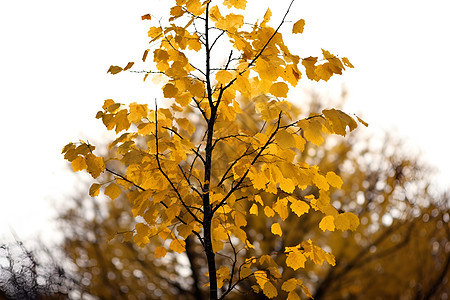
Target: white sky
column 54, row 55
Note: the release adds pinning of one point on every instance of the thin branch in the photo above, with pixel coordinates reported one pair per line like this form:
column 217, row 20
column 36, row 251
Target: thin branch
column 164, row 173
column 255, row 159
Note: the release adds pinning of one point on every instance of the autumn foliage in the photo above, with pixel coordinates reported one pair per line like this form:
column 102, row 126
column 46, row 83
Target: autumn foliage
column 191, row 169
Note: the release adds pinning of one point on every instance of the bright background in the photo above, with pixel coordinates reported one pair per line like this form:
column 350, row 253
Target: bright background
column 54, row 55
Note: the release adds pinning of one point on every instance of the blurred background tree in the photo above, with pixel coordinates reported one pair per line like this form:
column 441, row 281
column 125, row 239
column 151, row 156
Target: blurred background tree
column 401, row 250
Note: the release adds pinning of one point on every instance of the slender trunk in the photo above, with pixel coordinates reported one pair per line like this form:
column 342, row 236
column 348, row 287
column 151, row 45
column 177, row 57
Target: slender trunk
column 207, row 209
column 208, row 213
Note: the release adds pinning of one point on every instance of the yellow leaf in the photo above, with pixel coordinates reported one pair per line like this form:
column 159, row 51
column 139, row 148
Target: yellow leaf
column 261, row 278
column 141, row 237
column 323, row 72
column 281, row 208
column 254, row 209
column 170, row 91
column 160, row 252
column 285, row 139
column 95, row 165
column 334, row 180
column 137, row 112
column 178, row 245
column 330, row 259
column 298, row 26
column 287, row 185
column 245, row 271
column 321, row 182
column 270, row 290
column 259, row 180
column 276, row 229
column 312, row 129
column 222, row 274
column 214, row 14
column 144, row 56
column 195, row 7
column 127, row 236
column 269, row 212
column 327, row 223
column 249, row 245
column 239, row 219
column 154, row 32
column 113, row 191
column 176, row 12
column 258, row 199
column 197, row 89
column 114, row 70
column 339, row 121
column 94, row 190
column 362, row 121
column 307, row 292
column 146, row 17
column 266, row 19
column 128, row 66
column 217, row 246
column 299, row 207
column 279, row 89
column 347, row 63
column 289, row 285
column 295, row 260
column 240, row 4
column 293, row 296
column 78, row 164
column 346, row 221
column 223, row 77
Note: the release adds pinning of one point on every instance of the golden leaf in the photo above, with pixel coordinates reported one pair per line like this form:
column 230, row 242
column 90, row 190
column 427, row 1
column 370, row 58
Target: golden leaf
column 339, row 121
column 293, row 296
column 160, row 252
column 279, row 89
column 178, row 245
column 114, row 70
column 269, row 212
column 334, row 180
column 276, row 229
column 298, row 26
column 347, row 63
column 95, row 165
column 254, row 209
column 78, row 164
column 295, row 260
column 270, row 290
column 285, row 139
column 346, row 221
column 299, row 207
column 289, row 285
column 94, row 190
column 223, row 77
column 128, row 66
column 240, row 4
column 327, row 223
column 362, row 121
column 261, row 278
column 170, row 91
column 113, row 191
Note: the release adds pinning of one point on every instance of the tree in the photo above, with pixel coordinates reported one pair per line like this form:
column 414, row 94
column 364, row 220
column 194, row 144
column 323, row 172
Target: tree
column 188, row 181
column 32, row 274
column 382, row 252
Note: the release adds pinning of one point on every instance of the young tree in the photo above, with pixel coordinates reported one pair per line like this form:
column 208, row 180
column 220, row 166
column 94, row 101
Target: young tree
column 184, row 180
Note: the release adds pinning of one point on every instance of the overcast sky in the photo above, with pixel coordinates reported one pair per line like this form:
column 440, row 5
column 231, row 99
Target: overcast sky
column 54, row 55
